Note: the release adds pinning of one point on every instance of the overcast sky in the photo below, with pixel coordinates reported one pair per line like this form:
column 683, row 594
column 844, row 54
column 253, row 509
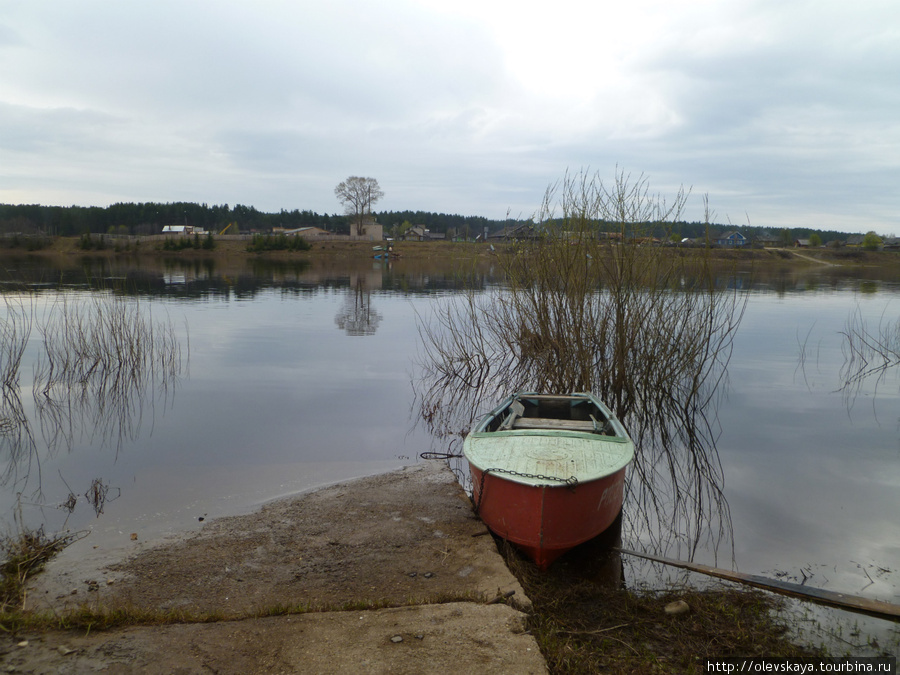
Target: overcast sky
column 784, row 113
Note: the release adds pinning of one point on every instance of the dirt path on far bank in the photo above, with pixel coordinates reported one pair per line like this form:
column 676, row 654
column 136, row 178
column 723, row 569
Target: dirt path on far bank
column 808, row 257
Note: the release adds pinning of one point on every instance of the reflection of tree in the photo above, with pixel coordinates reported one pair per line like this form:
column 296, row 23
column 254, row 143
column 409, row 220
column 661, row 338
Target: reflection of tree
column 356, row 316
column 103, row 361
column 641, row 326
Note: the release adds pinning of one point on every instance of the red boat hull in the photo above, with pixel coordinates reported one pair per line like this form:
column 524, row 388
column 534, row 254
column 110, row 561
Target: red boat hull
column 545, row 521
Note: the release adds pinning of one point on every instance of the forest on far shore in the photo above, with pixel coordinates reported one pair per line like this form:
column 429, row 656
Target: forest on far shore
column 150, row 217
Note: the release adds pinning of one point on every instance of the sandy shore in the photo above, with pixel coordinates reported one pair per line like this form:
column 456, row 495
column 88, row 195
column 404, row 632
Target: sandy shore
column 407, row 540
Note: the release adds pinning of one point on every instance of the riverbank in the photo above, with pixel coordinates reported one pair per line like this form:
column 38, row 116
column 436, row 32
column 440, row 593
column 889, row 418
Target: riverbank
column 236, row 247
column 388, row 574
column 392, row 573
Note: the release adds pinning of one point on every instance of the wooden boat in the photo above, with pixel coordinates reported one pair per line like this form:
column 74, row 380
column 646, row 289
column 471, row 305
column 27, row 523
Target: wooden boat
column 548, row 471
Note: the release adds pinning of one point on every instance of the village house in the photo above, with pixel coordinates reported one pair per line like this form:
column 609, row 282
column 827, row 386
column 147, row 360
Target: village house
column 516, row 233
column 305, row 232
column 768, row 240
column 183, row 230
column 422, row 233
column 415, row 233
column 732, row 239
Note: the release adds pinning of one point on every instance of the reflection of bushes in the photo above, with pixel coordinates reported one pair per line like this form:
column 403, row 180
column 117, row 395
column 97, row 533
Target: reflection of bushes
column 279, row 242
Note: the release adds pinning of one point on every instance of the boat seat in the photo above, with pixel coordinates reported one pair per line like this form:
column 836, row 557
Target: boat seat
column 549, row 423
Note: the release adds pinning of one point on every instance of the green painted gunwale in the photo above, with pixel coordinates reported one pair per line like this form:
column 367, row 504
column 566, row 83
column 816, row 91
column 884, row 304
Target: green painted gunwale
column 560, row 454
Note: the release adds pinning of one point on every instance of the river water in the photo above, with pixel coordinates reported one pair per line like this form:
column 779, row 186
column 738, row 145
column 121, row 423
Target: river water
column 293, row 376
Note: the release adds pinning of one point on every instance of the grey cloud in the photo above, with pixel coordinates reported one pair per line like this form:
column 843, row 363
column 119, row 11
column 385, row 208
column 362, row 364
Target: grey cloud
column 773, row 109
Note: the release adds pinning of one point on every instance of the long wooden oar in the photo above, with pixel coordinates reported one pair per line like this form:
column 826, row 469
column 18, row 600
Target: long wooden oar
column 853, row 603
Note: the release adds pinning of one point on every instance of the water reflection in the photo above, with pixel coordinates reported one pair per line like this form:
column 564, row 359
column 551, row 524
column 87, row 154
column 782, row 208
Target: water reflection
column 246, row 278
column 868, row 353
column 674, row 491
column 357, row 316
column 104, row 363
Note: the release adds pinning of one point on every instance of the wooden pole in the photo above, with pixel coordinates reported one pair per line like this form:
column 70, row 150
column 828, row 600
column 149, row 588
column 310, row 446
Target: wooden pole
column 852, row 603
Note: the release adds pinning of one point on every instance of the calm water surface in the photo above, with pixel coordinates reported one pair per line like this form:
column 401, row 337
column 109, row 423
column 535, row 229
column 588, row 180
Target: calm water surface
column 300, row 376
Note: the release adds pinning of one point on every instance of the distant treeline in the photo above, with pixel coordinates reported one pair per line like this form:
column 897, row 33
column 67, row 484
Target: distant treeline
column 151, row 217
column 700, row 231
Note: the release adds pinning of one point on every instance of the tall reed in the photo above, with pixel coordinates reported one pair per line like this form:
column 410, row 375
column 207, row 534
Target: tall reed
column 102, row 361
column 17, row 443
column 104, row 357
column 868, row 353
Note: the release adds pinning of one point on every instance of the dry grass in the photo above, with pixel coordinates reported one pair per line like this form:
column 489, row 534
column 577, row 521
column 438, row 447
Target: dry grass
column 24, row 556
column 584, row 627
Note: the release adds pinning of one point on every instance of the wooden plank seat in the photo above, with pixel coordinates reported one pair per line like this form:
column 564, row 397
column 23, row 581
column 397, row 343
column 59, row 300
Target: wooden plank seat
column 548, row 423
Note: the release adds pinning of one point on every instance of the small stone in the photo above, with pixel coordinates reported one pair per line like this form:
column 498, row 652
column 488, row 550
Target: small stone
column 517, row 625
column 428, row 575
column 677, row 607
column 134, row 536
column 413, row 574
column 65, row 651
column 397, row 638
column 23, row 643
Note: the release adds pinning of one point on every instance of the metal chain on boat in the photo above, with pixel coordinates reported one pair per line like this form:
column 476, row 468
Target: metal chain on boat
column 570, row 482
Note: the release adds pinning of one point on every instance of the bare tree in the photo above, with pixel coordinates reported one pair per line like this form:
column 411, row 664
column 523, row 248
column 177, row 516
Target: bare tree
column 358, row 194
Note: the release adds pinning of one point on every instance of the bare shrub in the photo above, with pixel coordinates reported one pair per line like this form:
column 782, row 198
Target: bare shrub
column 595, row 303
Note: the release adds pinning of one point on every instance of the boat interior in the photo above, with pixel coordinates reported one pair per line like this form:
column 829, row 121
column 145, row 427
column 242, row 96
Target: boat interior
column 547, row 411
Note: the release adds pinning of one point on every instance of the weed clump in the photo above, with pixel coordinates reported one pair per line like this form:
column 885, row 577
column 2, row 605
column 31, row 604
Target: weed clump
column 583, row 627
column 24, row 556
